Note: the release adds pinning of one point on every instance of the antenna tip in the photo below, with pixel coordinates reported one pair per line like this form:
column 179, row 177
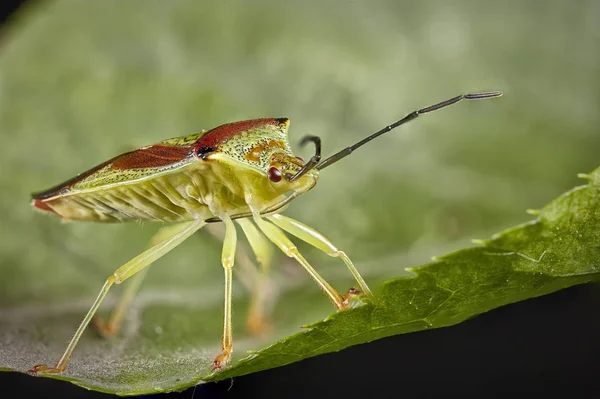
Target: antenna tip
column 484, row 95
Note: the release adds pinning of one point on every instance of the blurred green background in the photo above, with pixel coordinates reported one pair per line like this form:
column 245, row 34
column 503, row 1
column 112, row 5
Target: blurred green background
column 83, row 81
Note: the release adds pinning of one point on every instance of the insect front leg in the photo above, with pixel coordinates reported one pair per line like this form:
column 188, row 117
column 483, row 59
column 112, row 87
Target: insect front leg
column 256, row 322
column 110, row 328
column 317, row 240
column 227, row 258
column 129, row 269
column 278, row 237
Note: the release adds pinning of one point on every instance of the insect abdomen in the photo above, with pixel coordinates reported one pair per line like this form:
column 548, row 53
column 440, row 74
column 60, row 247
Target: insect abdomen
column 169, row 198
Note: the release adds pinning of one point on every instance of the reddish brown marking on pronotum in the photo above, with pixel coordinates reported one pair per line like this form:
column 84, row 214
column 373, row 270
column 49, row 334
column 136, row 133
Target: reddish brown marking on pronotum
column 211, row 140
column 151, row 157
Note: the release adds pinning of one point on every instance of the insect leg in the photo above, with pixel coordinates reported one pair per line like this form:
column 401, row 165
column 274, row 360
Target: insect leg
column 254, row 279
column 256, row 322
column 278, row 237
column 227, row 259
column 110, row 328
column 317, row 240
column 123, row 273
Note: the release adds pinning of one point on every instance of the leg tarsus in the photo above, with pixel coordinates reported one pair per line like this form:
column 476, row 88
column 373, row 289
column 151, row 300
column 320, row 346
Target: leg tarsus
column 257, row 324
column 43, row 369
column 106, row 330
column 221, row 360
column 348, row 295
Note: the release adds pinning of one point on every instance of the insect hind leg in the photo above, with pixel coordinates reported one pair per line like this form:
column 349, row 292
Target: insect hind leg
column 110, row 328
column 317, row 240
column 129, row 269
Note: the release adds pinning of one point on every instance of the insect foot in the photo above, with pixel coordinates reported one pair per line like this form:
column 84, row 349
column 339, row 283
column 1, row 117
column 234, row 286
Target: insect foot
column 258, row 326
column 346, row 298
column 221, row 360
column 106, row 330
column 41, row 368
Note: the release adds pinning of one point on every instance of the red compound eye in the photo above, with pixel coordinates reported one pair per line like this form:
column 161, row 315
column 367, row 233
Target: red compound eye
column 274, row 174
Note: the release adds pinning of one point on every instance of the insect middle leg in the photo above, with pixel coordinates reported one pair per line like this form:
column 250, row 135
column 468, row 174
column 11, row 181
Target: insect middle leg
column 278, row 237
column 256, row 322
column 227, row 258
column 178, row 235
column 111, row 327
column 317, row 240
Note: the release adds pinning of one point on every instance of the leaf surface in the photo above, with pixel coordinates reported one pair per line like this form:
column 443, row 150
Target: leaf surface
column 81, row 82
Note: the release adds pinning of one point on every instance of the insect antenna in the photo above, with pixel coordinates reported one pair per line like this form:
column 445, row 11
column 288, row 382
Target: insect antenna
column 413, row 115
column 313, row 161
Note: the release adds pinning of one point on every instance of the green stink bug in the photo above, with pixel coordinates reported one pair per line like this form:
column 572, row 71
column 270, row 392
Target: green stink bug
column 243, row 172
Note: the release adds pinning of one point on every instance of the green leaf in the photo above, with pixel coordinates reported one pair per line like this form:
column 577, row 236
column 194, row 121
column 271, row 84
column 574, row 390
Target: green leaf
column 81, row 82
column 558, row 249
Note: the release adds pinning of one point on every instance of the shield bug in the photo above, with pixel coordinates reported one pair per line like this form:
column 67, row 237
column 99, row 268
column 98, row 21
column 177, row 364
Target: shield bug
column 242, row 172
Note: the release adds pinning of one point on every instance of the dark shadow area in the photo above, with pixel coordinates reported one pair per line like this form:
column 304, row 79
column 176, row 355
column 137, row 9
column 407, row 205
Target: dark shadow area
column 9, row 7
